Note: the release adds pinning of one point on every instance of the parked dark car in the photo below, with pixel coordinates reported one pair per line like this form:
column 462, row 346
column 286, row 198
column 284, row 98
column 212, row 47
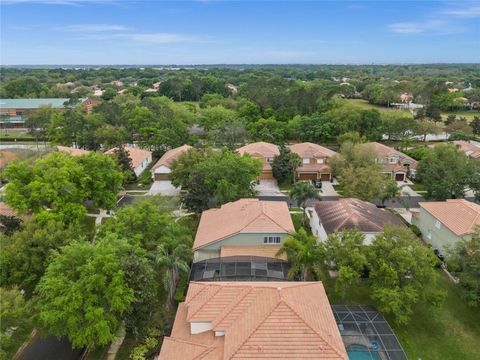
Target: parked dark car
column 439, row 255
column 317, row 183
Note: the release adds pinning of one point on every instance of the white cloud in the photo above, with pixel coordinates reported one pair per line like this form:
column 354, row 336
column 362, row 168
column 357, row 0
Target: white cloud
column 471, row 11
column 94, row 28
column 438, row 27
column 160, row 38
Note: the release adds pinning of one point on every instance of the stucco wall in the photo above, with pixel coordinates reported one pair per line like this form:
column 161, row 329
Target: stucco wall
column 213, row 250
column 140, row 168
column 437, row 237
column 319, row 231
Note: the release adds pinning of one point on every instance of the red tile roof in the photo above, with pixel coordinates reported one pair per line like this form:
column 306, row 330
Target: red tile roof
column 260, row 149
column 170, row 156
column 345, row 214
column 243, row 216
column 72, row 151
column 255, row 320
column 471, row 150
column 311, row 150
column 459, row 215
column 137, row 155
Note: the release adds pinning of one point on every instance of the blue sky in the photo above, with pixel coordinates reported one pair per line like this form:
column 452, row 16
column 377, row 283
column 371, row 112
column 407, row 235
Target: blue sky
column 233, row 32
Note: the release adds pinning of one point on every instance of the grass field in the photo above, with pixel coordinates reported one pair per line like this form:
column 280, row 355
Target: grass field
column 448, row 333
column 465, row 113
column 364, row 104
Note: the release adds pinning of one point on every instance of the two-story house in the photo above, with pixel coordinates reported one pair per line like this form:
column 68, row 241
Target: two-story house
column 443, row 223
column 315, row 161
column 263, row 151
column 248, row 227
column 393, row 162
column 328, row 217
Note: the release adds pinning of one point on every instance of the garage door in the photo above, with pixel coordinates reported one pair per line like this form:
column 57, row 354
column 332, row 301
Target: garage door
column 160, row 177
column 325, row 177
column 266, row 175
column 307, row 176
column 400, row 177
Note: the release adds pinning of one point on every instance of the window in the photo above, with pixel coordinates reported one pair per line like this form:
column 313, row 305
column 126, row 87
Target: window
column 429, row 234
column 437, row 224
column 320, row 161
column 392, row 160
column 271, row 239
column 306, row 161
column 270, row 160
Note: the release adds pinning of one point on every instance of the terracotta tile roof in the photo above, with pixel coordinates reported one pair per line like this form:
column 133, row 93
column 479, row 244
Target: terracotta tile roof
column 6, row 210
column 471, row 150
column 255, row 320
column 260, row 149
column 351, row 213
column 243, row 216
column 383, row 151
column 459, row 215
column 72, row 151
column 267, row 250
column 313, row 167
column 310, row 150
column 137, row 155
column 6, row 157
column 171, row 155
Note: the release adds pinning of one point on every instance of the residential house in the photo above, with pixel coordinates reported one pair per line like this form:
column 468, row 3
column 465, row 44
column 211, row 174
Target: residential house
column 15, row 111
column 161, row 169
column 315, row 161
column 470, row 149
column 72, row 151
column 249, row 227
column 444, row 223
column 328, row 217
column 88, row 104
column 394, row 163
column 7, row 213
column 254, row 320
column 263, row 151
column 140, row 158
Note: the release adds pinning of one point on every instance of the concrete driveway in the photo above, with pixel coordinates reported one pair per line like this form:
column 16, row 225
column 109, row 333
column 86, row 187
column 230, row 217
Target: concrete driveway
column 268, row 188
column 327, row 189
column 164, row 187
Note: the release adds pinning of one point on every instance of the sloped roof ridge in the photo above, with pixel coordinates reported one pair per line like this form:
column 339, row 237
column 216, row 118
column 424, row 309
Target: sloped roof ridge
column 254, row 328
column 308, row 324
column 216, row 287
column 206, row 348
column 227, row 309
column 262, row 212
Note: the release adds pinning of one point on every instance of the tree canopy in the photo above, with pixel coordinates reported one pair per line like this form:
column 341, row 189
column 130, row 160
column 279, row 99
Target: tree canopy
column 58, row 185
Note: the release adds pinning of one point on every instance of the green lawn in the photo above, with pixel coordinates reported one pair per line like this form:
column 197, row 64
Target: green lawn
column 285, row 186
column 364, row 104
column 468, row 114
column 418, row 187
column 449, row 333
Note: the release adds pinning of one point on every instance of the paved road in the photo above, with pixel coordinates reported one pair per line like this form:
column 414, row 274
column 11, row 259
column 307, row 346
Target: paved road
column 50, row 348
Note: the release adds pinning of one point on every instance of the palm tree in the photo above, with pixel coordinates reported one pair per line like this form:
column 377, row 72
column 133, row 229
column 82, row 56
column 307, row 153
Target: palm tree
column 301, row 192
column 174, row 258
column 303, row 254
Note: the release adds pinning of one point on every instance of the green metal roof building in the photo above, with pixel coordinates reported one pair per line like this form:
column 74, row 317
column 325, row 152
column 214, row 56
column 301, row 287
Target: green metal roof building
column 30, row 104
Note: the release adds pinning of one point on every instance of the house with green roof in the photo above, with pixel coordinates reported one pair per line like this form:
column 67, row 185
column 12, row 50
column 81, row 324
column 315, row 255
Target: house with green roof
column 14, row 111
